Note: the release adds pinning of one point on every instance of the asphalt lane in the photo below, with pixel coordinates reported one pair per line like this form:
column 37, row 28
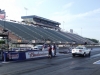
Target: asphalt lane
column 63, row 64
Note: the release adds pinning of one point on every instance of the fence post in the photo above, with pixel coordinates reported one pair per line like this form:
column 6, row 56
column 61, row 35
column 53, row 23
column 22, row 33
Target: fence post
column 4, row 55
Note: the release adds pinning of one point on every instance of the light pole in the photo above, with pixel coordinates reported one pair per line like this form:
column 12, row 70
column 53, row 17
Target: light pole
column 26, row 10
column 63, row 25
column 6, row 31
column 4, row 21
column 81, row 31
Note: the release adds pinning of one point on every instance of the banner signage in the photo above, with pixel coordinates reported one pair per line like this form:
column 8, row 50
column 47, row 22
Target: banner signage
column 35, row 54
column 13, row 55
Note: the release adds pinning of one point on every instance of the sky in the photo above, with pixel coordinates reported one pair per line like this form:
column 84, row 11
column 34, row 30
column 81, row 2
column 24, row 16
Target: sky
column 83, row 16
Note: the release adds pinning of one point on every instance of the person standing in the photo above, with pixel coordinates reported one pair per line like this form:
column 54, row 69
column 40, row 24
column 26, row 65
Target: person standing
column 54, row 47
column 50, row 51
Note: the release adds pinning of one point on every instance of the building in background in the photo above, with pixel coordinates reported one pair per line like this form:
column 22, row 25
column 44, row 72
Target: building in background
column 40, row 21
column 71, row 30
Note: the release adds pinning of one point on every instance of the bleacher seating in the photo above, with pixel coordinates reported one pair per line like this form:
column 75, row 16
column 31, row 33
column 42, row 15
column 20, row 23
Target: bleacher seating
column 60, row 36
column 43, row 32
column 31, row 32
column 16, row 29
column 86, row 40
column 78, row 39
column 34, row 33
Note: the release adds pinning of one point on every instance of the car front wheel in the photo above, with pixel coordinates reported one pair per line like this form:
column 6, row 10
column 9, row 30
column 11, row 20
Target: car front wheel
column 89, row 53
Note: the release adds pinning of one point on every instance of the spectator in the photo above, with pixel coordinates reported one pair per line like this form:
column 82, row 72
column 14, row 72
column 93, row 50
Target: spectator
column 54, row 48
column 50, row 51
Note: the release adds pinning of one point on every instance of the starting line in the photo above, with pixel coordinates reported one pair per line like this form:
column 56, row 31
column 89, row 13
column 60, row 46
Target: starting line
column 97, row 62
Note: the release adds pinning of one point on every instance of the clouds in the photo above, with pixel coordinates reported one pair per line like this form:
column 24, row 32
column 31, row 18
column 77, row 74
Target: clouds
column 89, row 13
column 39, row 2
column 68, row 17
column 89, row 21
column 67, row 5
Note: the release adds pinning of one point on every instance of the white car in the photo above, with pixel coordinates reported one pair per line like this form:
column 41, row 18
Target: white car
column 40, row 47
column 81, row 50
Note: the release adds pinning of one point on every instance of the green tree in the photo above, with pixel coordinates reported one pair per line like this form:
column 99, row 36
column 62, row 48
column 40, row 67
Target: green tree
column 2, row 42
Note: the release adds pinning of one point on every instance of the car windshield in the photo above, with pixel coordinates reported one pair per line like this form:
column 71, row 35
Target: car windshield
column 38, row 46
column 79, row 47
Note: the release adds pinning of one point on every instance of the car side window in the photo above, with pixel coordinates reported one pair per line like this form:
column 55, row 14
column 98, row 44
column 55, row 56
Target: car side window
column 85, row 48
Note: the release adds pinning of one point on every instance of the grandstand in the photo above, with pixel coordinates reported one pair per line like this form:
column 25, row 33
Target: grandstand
column 35, row 29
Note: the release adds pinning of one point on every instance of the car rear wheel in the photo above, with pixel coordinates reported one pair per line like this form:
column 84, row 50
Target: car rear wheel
column 73, row 55
column 84, row 54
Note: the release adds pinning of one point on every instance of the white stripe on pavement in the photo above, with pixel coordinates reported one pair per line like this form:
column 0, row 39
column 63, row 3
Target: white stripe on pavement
column 97, row 62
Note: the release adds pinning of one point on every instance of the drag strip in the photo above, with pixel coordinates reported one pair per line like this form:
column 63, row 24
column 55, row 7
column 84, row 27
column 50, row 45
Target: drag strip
column 46, row 66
